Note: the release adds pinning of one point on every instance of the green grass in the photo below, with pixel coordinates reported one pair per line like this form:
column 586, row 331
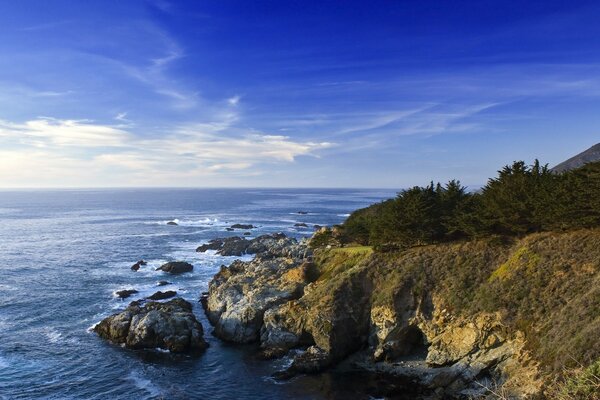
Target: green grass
column 333, row 262
column 354, row 250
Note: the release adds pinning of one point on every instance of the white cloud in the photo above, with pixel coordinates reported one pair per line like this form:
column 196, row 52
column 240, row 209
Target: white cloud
column 52, row 152
column 49, row 131
column 233, row 101
column 121, row 117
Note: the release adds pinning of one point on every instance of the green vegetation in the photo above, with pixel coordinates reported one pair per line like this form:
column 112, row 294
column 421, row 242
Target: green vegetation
column 335, row 261
column 520, row 200
column 580, row 384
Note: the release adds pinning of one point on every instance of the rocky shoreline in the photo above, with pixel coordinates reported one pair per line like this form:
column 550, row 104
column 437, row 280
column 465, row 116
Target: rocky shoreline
column 325, row 306
column 289, row 301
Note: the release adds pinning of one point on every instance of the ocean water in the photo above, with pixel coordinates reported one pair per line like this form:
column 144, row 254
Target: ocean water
column 64, row 253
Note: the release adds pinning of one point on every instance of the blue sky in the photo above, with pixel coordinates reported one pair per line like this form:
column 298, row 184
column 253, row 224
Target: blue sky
column 292, row 93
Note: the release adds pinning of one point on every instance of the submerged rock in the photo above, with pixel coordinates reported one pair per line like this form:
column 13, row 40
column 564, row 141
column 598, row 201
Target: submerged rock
column 123, row 294
column 171, row 326
column 162, row 283
column 138, row 264
column 163, row 295
column 176, row 267
column 301, row 225
column 172, row 223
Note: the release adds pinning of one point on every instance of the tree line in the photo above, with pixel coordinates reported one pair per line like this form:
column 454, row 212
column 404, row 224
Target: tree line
column 521, row 199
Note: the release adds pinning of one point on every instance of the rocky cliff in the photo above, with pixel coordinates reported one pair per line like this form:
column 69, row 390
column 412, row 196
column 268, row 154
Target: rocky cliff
column 456, row 319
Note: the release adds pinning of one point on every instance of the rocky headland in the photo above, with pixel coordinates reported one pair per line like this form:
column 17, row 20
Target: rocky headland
column 458, row 320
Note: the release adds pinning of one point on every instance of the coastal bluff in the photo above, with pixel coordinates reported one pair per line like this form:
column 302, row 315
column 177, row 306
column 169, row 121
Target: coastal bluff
column 457, row 319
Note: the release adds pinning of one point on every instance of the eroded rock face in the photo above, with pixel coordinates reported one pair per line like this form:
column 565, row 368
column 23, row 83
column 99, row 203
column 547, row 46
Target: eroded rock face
column 171, row 326
column 176, row 267
column 240, row 294
column 365, row 308
column 332, row 315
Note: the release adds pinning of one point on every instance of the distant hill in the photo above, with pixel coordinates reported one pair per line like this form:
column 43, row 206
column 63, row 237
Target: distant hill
column 590, row 155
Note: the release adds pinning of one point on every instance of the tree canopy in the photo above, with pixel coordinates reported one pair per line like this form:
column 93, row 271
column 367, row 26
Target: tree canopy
column 521, row 199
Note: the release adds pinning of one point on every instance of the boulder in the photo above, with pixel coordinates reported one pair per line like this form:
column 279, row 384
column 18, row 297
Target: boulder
column 171, row 326
column 176, row 267
column 163, row 295
column 172, row 223
column 229, row 229
column 242, row 226
column 123, row 294
column 135, row 266
column 301, row 225
column 162, row 283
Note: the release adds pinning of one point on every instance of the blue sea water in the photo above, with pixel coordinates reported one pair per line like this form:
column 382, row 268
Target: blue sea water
column 64, row 253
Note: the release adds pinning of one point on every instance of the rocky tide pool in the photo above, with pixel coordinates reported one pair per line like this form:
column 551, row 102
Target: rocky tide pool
column 65, row 254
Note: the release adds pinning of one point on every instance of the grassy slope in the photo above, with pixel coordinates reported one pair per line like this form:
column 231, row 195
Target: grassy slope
column 546, row 285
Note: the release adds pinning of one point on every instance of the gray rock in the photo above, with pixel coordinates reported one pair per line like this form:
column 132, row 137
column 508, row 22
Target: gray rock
column 176, row 267
column 171, row 326
column 242, row 226
column 123, row 294
column 239, row 295
column 163, row 295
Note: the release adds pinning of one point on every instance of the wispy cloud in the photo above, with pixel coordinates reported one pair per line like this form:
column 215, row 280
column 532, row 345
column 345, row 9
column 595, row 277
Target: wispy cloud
column 83, row 150
column 233, row 101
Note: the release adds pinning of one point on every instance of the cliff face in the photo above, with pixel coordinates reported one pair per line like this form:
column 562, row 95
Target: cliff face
column 453, row 318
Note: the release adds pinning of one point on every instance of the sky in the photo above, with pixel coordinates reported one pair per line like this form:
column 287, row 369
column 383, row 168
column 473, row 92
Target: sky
column 386, row 94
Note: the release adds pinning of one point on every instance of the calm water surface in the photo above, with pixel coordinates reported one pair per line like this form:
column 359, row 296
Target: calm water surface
column 64, row 253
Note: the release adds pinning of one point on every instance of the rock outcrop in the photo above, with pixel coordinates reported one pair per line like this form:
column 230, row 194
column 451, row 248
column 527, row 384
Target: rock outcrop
column 163, row 295
column 176, row 267
column 242, row 226
column 237, row 246
column 240, row 294
column 123, row 294
column 171, row 326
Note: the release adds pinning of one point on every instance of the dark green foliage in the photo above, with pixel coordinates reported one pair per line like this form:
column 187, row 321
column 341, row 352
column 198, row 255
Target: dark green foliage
column 520, row 200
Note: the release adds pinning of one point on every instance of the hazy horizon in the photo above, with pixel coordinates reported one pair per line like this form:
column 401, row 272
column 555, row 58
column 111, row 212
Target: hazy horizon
column 158, row 93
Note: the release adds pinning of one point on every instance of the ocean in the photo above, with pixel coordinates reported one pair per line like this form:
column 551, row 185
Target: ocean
column 63, row 254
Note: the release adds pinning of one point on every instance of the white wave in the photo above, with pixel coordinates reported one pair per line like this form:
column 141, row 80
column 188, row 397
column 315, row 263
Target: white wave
column 158, row 349
column 343, row 215
column 4, row 363
column 144, row 384
column 203, row 222
column 53, row 335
